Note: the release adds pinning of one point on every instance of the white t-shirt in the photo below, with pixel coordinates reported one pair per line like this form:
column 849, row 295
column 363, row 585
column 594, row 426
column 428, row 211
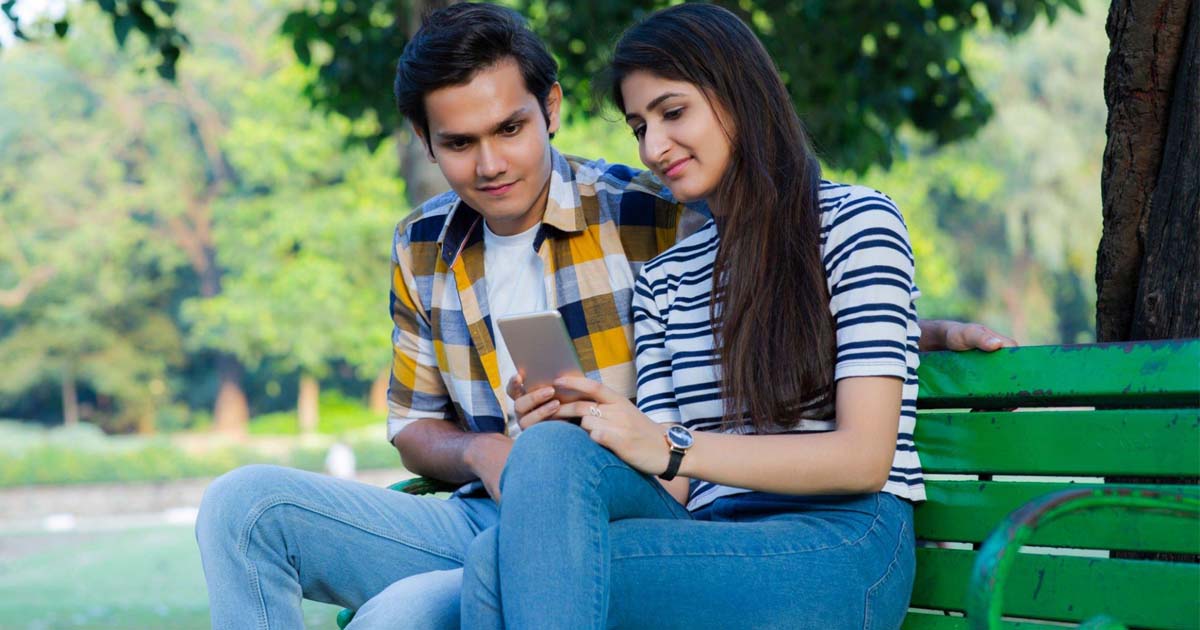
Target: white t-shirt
column 515, row 284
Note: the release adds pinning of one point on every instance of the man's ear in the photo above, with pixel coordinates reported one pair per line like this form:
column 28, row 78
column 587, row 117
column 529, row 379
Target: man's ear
column 553, row 107
column 424, row 140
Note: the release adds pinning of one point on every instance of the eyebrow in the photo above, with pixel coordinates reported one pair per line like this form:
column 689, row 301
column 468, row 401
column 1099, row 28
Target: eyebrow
column 517, row 116
column 654, row 103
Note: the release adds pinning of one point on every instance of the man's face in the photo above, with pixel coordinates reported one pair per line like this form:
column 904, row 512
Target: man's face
column 492, row 143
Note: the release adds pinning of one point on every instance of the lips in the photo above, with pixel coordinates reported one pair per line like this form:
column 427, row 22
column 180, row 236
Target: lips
column 497, row 190
column 675, row 169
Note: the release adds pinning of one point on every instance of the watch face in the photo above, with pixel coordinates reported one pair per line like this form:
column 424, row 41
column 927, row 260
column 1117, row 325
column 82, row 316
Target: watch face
column 679, row 437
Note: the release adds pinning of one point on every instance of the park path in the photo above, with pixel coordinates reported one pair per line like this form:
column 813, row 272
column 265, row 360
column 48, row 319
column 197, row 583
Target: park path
column 105, row 506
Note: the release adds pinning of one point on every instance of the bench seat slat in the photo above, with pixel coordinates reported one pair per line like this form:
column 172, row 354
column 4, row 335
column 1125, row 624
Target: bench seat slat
column 1140, row 374
column 967, row 511
column 929, row 621
column 1137, row 592
column 1080, row 443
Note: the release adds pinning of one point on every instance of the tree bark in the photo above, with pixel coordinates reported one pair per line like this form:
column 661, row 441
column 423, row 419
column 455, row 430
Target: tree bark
column 1168, row 297
column 307, row 404
column 1146, row 40
column 231, row 412
column 379, row 392
column 70, row 397
column 422, row 178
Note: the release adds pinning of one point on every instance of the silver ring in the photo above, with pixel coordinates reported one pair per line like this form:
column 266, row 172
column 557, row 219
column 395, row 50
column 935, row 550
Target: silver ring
column 595, row 411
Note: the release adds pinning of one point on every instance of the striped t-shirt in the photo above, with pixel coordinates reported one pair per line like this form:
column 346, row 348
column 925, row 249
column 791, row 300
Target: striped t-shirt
column 869, row 271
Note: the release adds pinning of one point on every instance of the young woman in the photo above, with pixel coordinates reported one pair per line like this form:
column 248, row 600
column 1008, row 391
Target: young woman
column 777, row 357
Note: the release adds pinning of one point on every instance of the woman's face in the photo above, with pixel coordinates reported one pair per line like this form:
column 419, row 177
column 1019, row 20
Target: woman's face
column 680, row 135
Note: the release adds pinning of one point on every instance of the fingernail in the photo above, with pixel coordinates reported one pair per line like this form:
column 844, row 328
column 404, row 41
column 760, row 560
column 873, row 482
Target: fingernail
column 553, row 404
column 994, row 340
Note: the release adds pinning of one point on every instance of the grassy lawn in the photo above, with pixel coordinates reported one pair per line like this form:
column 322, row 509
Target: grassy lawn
column 133, row 579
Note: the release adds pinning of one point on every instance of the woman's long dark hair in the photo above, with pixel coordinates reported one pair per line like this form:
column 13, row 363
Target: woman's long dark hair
column 770, row 308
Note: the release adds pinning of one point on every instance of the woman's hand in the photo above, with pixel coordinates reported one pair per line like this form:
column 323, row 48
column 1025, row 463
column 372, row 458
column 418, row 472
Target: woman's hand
column 531, row 407
column 619, row 426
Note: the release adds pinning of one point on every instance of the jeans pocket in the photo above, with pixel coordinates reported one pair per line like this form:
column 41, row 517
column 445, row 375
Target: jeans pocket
column 887, row 599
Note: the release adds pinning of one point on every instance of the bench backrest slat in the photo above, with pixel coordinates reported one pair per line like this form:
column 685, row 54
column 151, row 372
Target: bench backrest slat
column 967, row 511
column 1067, row 588
column 1147, row 428
column 1081, row 443
column 1159, row 373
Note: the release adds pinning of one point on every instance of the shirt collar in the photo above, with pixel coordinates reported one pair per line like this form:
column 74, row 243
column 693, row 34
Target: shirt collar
column 564, row 211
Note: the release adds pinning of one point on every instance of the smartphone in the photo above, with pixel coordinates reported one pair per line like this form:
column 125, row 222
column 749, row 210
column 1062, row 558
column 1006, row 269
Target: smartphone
column 542, row 351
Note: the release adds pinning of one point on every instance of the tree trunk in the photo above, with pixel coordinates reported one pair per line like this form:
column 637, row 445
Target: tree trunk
column 1146, row 41
column 70, row 397
column 146, row 421
column 422, row 178
column 307, row 404
column 379, row 392
column 1168, row 296
column 231, row 412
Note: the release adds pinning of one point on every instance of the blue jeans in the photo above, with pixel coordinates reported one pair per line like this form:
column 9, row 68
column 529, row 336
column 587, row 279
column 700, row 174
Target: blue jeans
column 270, row 536
column 585, row 541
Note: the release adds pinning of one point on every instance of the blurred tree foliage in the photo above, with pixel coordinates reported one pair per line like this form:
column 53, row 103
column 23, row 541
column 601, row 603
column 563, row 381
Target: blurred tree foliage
column 857, row 70
column 1010, row 215
column 93, row 280
column 152, row 226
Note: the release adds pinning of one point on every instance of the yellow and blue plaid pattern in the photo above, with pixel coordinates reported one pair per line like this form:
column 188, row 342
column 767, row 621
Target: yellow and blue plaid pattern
column 602, row 222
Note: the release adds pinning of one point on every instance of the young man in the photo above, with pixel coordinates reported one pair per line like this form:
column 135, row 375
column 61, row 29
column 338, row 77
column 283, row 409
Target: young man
column 523, row 229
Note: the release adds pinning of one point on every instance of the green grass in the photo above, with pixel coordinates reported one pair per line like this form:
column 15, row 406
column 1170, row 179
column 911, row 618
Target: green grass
column 337, row 415
column 132, row 579
column 35, row 455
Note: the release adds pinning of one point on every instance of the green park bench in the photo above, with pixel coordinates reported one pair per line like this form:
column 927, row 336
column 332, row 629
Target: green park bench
column 1120, row 544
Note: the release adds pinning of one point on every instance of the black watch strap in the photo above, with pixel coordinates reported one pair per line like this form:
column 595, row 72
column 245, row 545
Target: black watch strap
column 673, row 465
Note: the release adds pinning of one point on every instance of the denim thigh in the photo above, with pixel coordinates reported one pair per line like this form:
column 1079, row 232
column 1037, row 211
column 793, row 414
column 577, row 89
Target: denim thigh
column 759, row 560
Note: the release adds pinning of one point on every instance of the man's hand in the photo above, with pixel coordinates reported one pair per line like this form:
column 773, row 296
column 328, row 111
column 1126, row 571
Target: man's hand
column 959, row 336
column 531, row 407
column 486, row 455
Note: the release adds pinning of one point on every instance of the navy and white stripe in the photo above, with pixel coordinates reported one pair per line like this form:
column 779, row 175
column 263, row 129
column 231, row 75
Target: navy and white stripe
column 869, row 271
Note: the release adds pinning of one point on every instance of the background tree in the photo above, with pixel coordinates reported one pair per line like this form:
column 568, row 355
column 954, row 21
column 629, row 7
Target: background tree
column 1148, row 267
column 234, row 213
column 1011, row 207
column 305, row 239
column 89, row 309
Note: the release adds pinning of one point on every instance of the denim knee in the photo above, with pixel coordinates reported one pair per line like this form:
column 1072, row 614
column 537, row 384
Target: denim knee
column 548, row 448
column 230, row 497
column 481, row 575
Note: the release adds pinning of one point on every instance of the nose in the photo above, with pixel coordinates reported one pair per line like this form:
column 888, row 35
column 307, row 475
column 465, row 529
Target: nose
column 491, row 163
column 655, row 144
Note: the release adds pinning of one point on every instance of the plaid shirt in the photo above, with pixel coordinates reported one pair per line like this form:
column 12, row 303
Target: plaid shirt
column 602, row 222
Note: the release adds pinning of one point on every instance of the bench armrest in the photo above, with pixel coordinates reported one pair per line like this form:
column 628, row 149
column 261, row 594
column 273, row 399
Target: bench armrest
column 423, row 485
column 1000, row 550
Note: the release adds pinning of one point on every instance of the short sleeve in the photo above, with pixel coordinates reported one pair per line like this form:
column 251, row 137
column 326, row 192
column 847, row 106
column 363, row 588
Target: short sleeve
column 869, row 264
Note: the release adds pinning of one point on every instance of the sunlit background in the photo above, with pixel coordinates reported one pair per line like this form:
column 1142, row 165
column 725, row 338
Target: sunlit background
column 195, row 276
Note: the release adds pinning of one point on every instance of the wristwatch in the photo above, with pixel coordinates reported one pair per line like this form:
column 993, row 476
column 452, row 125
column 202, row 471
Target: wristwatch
column 679, row 440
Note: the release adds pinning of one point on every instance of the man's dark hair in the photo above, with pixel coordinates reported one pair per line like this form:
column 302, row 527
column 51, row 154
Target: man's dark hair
column 455, row 43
